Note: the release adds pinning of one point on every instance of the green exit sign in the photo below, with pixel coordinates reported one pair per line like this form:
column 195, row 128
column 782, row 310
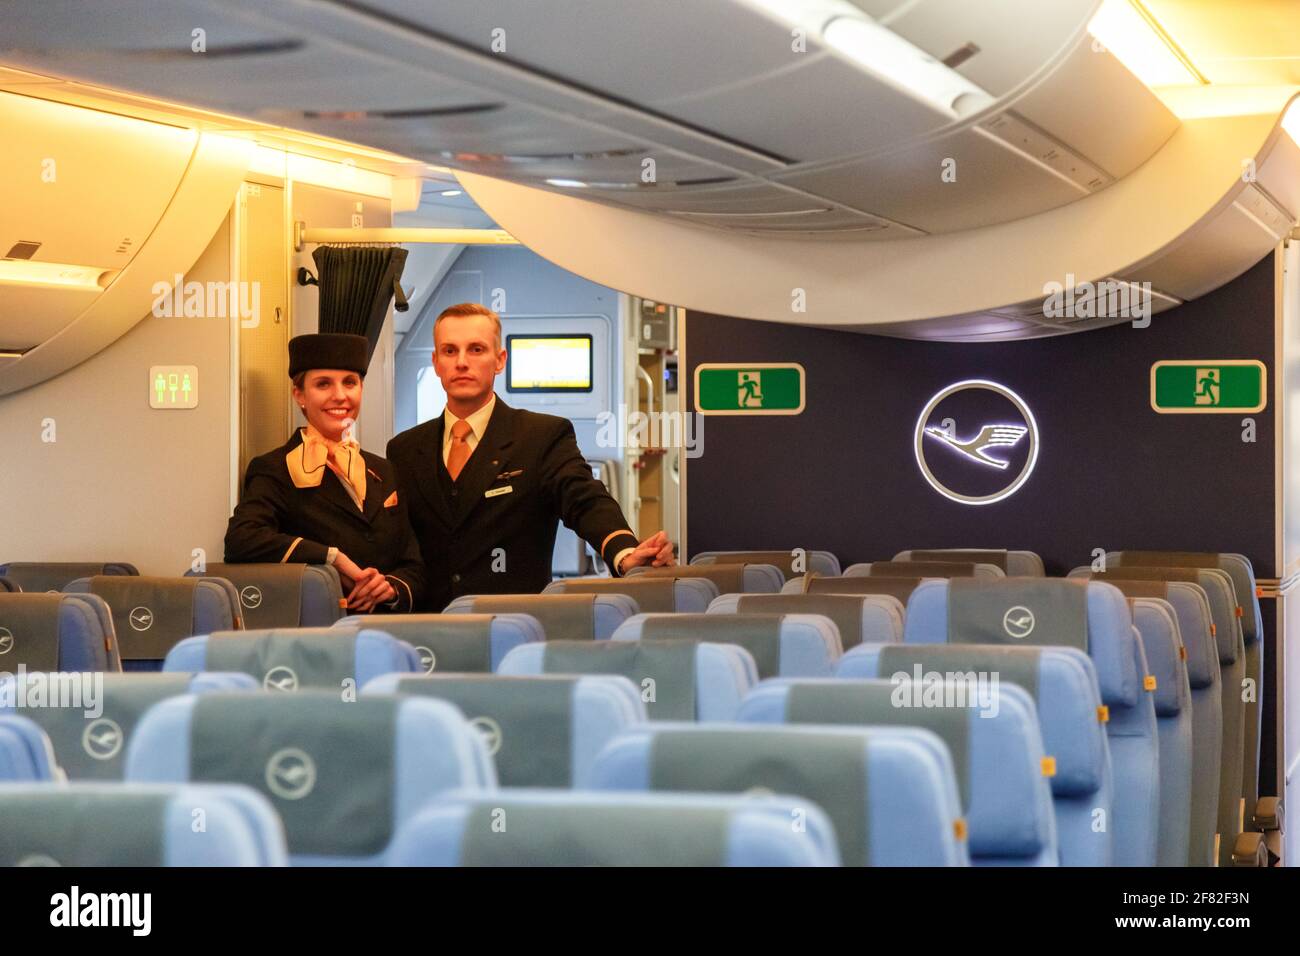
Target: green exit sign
column 1209, row 386
column 734, row 388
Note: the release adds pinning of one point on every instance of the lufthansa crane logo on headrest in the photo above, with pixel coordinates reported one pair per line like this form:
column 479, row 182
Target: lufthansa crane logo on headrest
column 251, row 597
column 102, row 739
column 976, row 442
column 291, row 773
column 6, row 640
column 1018, row 622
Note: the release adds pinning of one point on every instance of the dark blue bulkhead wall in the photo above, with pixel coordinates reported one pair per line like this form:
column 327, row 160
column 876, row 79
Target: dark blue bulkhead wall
column 1111, row 473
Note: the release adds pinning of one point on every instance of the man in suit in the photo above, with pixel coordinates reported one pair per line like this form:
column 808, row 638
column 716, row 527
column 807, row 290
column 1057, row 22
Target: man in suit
column 485, row 483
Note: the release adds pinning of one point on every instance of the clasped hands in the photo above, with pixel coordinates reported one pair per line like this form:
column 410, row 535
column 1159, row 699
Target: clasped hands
column 365, row 587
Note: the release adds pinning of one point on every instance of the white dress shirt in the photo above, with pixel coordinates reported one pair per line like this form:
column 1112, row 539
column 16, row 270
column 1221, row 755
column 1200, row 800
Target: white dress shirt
column 478, row 423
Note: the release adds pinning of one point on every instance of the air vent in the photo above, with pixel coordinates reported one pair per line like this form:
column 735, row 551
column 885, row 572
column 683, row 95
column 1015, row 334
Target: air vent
column 228, row 52
column 452, row 155
column 415, row 113
column 23, row 249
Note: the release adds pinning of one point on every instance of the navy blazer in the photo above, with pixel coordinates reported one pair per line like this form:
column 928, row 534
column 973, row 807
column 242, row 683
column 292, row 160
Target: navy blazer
column 277, row 522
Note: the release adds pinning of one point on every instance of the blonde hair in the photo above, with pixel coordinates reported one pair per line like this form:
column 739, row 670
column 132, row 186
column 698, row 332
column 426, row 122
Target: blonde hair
column 465, row 309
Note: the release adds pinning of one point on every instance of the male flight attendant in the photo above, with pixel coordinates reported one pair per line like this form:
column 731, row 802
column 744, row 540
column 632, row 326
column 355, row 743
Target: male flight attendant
column 485, row 483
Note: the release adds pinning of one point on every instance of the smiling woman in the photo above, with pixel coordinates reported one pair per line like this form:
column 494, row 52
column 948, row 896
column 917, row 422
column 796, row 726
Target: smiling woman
column 320, row 499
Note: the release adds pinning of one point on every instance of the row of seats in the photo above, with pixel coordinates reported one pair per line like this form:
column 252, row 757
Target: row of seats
column 790, row 641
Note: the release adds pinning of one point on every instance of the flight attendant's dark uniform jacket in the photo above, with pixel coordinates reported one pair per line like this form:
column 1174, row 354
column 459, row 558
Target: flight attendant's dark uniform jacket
column 492, row 531
column 278, row 522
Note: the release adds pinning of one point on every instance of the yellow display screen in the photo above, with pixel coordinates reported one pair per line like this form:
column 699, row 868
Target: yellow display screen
column 548, row 363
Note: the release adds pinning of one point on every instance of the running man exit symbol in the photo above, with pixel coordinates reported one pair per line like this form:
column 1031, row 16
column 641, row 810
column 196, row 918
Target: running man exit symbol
column 1207, row 386
column 751, row 390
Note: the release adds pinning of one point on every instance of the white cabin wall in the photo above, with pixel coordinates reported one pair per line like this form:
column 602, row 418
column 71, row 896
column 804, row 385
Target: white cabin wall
column 122, row 481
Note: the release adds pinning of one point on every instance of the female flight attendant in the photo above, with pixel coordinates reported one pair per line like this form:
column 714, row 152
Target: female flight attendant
column 320, row 499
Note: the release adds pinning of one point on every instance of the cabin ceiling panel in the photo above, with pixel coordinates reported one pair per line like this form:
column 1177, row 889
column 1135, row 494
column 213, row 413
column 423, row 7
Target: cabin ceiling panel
column 916, row 186
column 1015, row 39
column 1092, row 103
column 787, row 112
column 635, row 51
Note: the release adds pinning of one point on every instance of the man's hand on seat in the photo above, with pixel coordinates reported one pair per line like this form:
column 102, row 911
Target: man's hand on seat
column 656, row 551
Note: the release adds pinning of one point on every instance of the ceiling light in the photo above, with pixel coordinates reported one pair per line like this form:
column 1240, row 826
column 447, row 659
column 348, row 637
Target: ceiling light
column 888, row 56
column 1128, row 31
column 82, row 278
column 567, row 183
column 451, row 192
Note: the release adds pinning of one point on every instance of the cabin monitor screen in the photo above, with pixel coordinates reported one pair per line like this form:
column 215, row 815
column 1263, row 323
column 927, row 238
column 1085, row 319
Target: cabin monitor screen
column 548, row 363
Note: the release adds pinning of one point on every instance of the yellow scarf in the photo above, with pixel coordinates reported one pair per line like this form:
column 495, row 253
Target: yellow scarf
column 307, row 464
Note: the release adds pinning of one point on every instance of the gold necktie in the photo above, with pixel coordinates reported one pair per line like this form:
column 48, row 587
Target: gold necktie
column 460, row 450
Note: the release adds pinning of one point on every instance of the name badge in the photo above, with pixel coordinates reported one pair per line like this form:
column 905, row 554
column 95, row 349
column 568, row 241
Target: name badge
column 499, row 491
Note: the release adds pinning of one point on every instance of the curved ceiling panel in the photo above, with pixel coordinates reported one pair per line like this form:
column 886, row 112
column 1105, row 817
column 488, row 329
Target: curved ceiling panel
column 183, row 231
column 1176, row 201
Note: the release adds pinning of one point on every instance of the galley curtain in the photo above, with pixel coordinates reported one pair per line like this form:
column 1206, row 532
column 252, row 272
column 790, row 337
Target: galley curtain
column 356, row 285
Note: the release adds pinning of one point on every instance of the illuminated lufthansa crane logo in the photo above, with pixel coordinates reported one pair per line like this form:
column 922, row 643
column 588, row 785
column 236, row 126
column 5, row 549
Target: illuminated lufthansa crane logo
column 980, row 423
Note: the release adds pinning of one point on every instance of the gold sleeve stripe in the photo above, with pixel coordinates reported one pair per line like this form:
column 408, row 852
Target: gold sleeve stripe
column 612, row 536
column 296, row 542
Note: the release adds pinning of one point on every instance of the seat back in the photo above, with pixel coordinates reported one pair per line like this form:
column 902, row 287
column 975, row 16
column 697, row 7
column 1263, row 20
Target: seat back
column 89, row 718
column 727, row 578
column 784, row 645
column 292, row 659
column 677, row 680
column 102, row 824
column 563, row 617
column 1015, row 564
column 1242, row 574
column 549, row 828
column 344, row 775
column 791, row 563
column 925, row 569
column 1063, row 685
column 870, row 618
column 151, row 615
column 52, row 632
column 454, row 643
column 283, row 595
column 1226, row 629
column 1167, row 662
column 36, row 576
column 899, row 588
column 541, row 731
column 1191, row 610
column 26, row 755
column 995, row 743
column 1092, row 617
column 890, row 794
column 652, row 595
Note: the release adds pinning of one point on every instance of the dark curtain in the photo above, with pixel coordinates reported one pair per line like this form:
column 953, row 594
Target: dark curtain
column 356, row 285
